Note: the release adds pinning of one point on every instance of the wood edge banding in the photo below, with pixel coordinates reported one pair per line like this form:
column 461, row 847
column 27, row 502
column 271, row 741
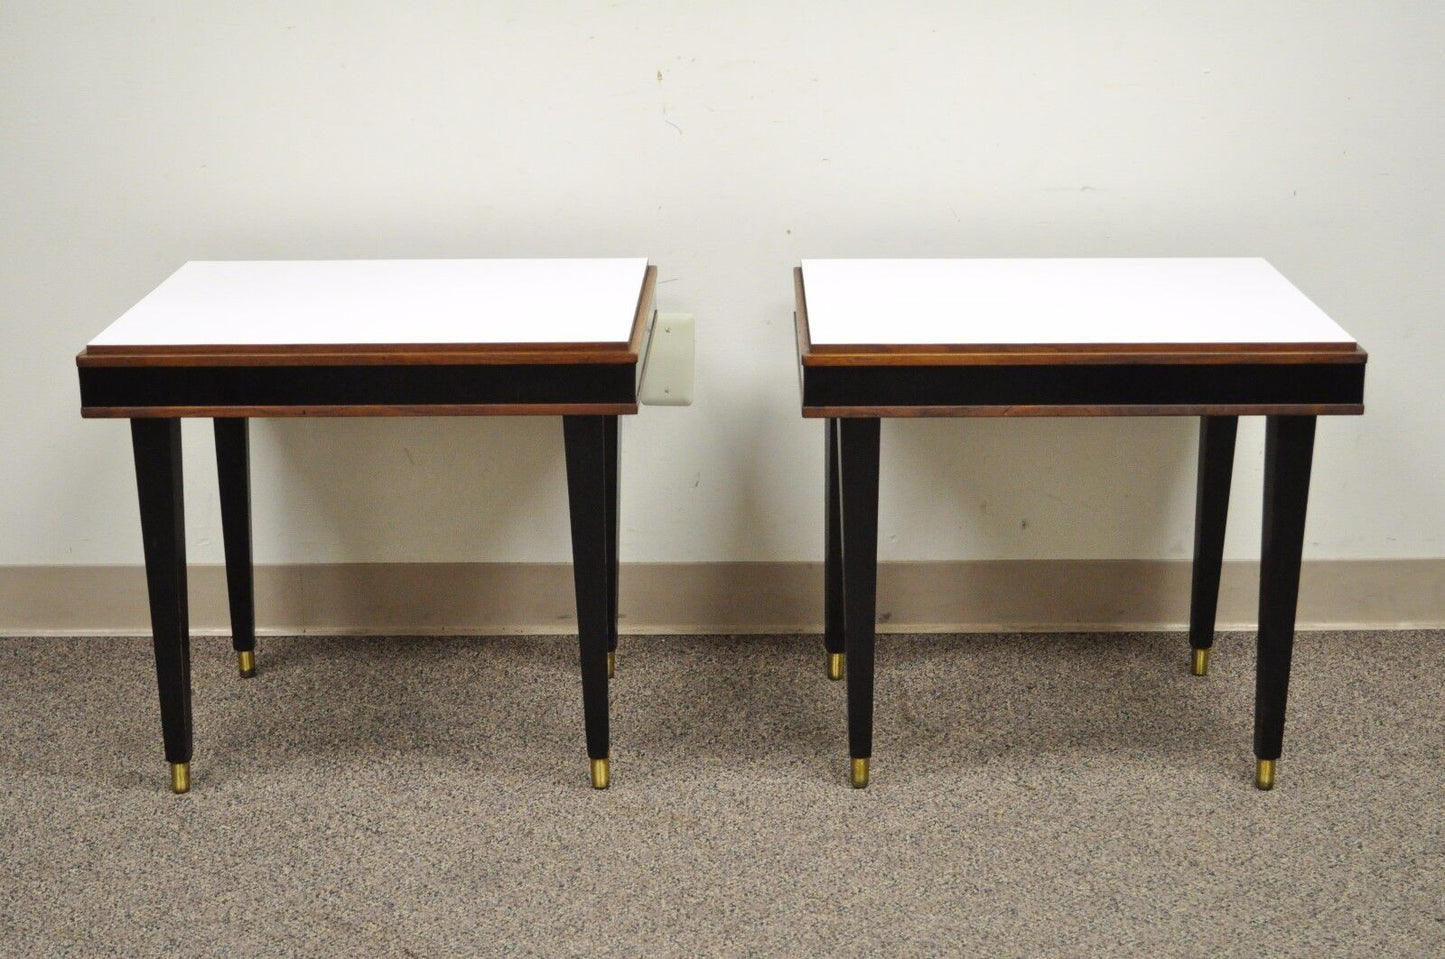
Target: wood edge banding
column 1192, row 409
column 355, row 349
column 934, row 349
column 1125, row 357
column 379, row 409
column 86, row 359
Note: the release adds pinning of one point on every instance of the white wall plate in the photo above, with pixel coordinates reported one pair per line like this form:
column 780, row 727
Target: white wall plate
column 668, row 363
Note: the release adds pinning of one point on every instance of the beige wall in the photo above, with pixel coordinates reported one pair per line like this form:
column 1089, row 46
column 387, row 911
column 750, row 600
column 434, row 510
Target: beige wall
column 725, row 141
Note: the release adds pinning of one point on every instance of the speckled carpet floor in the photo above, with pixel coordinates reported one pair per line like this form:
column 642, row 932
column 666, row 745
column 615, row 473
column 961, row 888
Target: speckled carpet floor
column 1032, row 794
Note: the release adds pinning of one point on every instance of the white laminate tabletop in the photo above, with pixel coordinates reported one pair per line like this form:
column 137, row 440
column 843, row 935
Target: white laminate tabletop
column 371, row 303
column 998, row 304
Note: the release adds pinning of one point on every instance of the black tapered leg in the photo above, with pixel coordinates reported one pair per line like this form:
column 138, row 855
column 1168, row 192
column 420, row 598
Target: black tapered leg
column 833, row 556
column 610, row 429
column 1211, row 510
column 858, row 481
column 233, row 469
column 157, row 445
column 1288, row 450
column 587, row 494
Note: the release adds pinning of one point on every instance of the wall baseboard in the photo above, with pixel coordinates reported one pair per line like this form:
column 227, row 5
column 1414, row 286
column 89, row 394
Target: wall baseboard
column 659, row 598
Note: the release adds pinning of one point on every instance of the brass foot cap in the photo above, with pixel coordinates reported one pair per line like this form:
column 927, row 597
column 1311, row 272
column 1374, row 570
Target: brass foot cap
column 246, row 660
column 1199, row 662
column 1264, row 774
column 180, row 777
column 859, row 773
column 611, row 665
column 835, row 666
column 601, row 773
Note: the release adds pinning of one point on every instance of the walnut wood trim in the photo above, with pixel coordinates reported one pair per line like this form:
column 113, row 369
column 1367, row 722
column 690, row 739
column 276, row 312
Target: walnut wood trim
column 936, row 349
column 350, row 349
column 87, row 359
column 1126, row 357
column 909, row 412
column 514, row 409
